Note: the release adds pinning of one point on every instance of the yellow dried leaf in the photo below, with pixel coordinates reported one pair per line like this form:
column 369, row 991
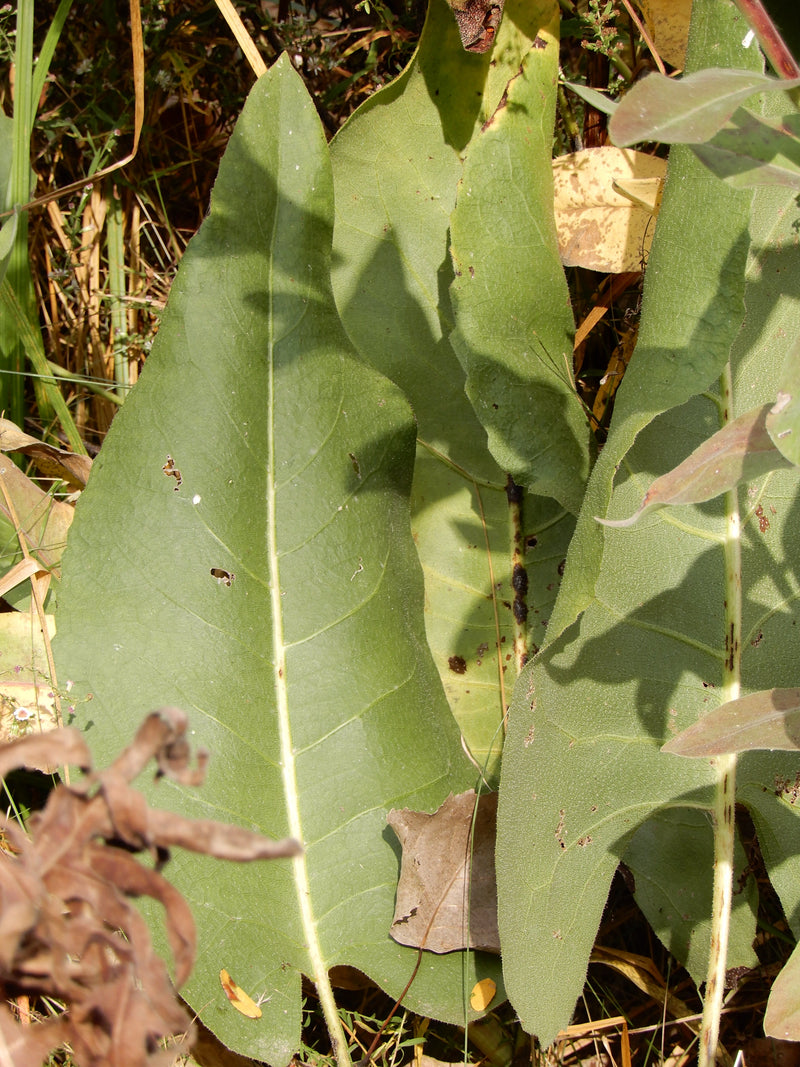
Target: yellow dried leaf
column 482, row 994
column 603, row 211
column 237, row 996
column 667, row 22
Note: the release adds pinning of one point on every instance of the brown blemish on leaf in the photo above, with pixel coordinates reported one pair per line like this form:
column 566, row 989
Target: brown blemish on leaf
column 226, row 577
column 457, row 664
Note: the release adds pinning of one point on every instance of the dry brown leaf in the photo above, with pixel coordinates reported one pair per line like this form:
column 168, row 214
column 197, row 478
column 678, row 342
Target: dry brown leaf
column 602, row 198
column 43, row 520
column 27, row 702
column 50, row 461
column 68, row 929
column 667, row 22
column 445, row 866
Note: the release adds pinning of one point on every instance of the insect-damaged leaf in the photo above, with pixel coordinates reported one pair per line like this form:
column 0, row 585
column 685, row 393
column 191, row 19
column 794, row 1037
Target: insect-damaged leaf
column 447, row 896
column 769, row 719
column 741, row 451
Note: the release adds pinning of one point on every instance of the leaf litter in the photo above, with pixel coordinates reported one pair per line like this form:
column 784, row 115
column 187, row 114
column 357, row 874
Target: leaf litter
column 68, row 929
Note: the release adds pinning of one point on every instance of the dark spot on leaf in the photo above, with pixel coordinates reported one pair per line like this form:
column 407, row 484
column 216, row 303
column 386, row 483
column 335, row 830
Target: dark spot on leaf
column 539, row 42
column 531, row 542
column 355, row 463
column 514, row 492
column 520, row 611
column 519, row 580
column 472, row 272
column 405, row 918
column 226, row 577
column 457, row 664
column 561, row 567
column 757, row 639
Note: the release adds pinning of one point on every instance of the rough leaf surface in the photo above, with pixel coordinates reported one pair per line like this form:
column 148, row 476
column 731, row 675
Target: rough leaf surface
column 276, row 595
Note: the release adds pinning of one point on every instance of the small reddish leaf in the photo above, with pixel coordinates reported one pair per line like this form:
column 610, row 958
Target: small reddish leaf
column 782, row 1018
column 783, row 421
column 237, row 996
column 689, row 110
column 741, row 451
column 769, row 719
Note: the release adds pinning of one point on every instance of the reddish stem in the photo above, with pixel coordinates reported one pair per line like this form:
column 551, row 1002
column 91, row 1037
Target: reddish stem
column 774, row 47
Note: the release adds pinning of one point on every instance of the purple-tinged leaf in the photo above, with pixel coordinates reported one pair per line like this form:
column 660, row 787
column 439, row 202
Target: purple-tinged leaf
column 750, row 151
column 783, row 420
column 689, row 111
column 741, row 451
column 769, row 719
column 782, row 1018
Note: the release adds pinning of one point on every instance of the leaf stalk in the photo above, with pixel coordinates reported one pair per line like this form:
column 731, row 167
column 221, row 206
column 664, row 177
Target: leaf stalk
column 725, row 794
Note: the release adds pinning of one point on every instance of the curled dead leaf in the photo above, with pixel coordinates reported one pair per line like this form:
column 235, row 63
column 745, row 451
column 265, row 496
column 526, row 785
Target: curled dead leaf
column 50, row 461
column 68, row 929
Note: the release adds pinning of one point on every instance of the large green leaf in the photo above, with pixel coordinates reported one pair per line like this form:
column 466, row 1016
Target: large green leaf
column 397, row 164
column 647, row 656
column 514, row 327
column 686, row 331
column 272, row 590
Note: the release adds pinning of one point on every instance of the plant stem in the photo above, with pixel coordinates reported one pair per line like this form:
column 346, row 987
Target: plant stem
column 724, row 800
column 773, row 45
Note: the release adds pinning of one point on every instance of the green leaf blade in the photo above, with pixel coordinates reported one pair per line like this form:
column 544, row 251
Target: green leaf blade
column 514, row 327
column 274, row 592
column 397, row 163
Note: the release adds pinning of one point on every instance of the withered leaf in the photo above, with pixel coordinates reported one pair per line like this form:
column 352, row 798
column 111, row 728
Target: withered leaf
column 447, row 894
column 242, row 1001
column 50, row 461
column 68, row 929
column 478, row 22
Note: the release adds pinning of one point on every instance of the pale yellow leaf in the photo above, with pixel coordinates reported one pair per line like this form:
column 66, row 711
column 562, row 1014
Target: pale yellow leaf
column 606, row 200
column 667, row 22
